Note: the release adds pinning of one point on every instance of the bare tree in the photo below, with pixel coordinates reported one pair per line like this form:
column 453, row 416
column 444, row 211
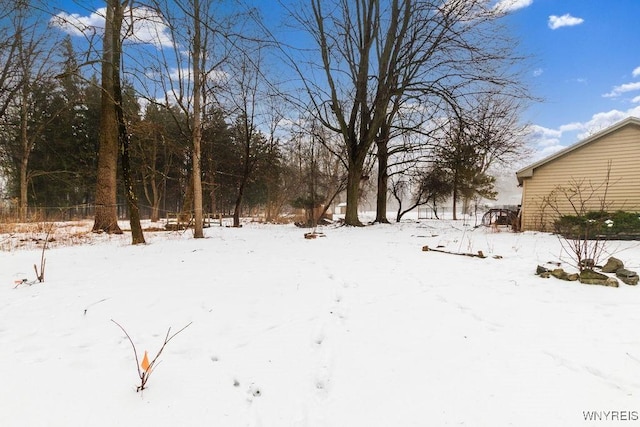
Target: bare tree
column 106, row 215
column 114, row 136
column 124, row 139
column 320, row 167
column 346, row 34
column 277, row 186
column 421, row 187
column 33, row 75
column 244, row 91
column 196, row 127
column 403, row 148
column 9, row 42
column 199, row 45
column 485, row 134
column 376, row 55
column 156, row 151
column 497, row 129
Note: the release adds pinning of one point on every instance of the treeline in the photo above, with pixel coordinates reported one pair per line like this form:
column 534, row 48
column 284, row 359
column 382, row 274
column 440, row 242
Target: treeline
column 54, row 147
column 49, row 141
column 415, row 101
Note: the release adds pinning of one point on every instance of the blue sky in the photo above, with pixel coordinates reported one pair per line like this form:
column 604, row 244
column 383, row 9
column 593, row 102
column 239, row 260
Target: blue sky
column 585, row 65
column 584, row 62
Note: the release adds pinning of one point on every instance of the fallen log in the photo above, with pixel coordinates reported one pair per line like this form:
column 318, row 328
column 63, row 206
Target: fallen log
column 313, row 235
column 478, row 255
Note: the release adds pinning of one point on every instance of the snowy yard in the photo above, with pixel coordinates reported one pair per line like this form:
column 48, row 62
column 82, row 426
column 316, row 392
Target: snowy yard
column 358, row 328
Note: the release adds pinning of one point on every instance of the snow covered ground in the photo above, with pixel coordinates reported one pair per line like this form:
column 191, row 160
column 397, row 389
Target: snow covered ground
column 358, row 328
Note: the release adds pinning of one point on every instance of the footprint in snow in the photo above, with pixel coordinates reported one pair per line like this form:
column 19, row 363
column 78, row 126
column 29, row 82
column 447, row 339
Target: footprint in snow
column 253, row 392
column 338, row 298
column 322, row 380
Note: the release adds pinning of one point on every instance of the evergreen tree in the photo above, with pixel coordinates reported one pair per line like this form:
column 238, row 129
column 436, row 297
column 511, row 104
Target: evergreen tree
column 64, row 161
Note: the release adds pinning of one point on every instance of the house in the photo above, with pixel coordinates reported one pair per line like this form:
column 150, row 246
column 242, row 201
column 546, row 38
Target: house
column 340, row 208
column 599, row 172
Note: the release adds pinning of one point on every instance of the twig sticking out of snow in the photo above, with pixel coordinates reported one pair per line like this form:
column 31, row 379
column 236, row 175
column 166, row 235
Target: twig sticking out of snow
column 23, row 282
column 92, row 304
column 146, row 368
column 43, row 260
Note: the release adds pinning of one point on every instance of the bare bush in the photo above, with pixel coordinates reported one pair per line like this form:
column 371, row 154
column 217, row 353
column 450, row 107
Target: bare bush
column 145, row 368
column 577, row 207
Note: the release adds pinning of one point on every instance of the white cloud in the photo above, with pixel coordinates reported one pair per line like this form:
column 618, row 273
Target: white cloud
column 636, row 100
column 506, row 6
column 538, row 72
column 571, row 127
column 619, row 90
column 148, row 25
column 543, row 134
column 636, row 72
column 566, row 20
column 543, row 141
column 600, row 121
column 77, row 25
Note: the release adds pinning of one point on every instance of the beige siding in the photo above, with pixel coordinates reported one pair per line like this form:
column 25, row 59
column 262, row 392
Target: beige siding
column 585, row 168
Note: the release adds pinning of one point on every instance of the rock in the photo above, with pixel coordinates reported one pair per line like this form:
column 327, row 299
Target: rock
column 563, row 275
column 612, row 282
column 545, row 275
column 588, row 274
column 558, row 273
column 541, row 270
column 613, row 265
column 627, row 276
column 590, row 277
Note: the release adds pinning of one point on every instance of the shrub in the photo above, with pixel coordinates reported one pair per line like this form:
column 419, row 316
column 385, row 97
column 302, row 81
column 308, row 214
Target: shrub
column 624, row 223
column 598, row 224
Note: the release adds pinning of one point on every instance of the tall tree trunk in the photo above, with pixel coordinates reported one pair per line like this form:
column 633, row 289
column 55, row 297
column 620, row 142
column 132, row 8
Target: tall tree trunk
column 152, row 190
column 455, row 195
column 137, row 236
column 25, row 151
column 383, row 179
column 245, row 178
column 23, row 204
column 187, row 203
column 106, row 216
column 155, row 204
column 212, row 197
column 354, row 177
column 198, row 231
column 238, row 205
column 325, row 208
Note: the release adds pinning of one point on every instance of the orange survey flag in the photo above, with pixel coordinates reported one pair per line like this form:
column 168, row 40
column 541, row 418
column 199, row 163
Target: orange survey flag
column 145, row 362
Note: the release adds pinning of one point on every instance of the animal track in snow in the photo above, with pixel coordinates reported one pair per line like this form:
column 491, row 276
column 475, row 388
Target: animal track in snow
column 254, row 390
